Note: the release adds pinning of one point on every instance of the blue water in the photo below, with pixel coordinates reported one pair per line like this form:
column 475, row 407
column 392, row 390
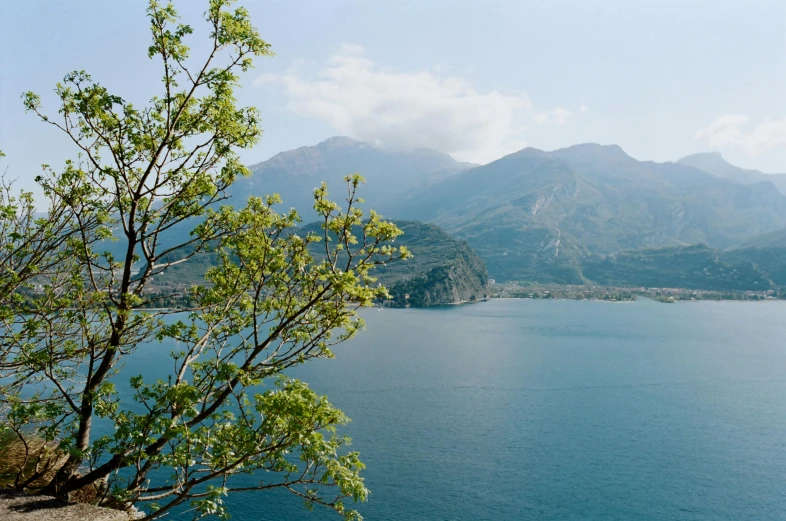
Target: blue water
column 560, row 411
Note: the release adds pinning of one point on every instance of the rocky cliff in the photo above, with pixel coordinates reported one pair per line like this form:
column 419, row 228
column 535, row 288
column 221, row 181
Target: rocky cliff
column 443, row 270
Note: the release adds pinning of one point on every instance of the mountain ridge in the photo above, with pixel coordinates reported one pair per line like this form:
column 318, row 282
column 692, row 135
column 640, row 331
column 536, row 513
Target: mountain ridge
column 714, row 164
column 540, row 215
column 532, row 215
column 294, row 174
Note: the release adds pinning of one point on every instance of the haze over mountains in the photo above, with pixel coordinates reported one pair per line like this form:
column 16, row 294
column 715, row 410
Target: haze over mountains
column 543, row 216
column 390, row 175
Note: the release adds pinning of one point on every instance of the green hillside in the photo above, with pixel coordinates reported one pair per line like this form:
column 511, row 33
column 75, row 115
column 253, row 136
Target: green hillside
column 767, row 240
column 694, row 267
column 442, row 270
column 770, row 261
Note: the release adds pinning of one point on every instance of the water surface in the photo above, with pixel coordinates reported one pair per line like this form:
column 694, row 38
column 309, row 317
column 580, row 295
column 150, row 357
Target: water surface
column 561, row 411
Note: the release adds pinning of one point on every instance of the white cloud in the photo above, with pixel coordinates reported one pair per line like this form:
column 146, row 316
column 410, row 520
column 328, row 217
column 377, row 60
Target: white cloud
column 408, row 109
column 729, row 130
column 558, row 116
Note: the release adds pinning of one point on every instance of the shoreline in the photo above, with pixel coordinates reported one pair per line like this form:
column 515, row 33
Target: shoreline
column 627, row 294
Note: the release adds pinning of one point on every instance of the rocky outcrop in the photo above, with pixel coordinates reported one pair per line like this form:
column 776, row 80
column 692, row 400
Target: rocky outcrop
column 14, row 507
column 443, row 270
column 440, row 286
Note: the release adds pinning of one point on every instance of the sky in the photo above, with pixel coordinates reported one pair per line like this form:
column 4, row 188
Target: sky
column 475, row 79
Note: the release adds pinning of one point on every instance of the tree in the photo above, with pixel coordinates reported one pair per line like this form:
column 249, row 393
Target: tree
column 73, row 306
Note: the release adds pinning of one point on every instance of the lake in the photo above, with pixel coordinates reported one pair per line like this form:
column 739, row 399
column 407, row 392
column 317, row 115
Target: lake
column 560, row 411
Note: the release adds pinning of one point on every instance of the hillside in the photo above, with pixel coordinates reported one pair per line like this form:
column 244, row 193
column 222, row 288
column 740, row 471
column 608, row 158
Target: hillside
column 771, row 261
column 442, row 270
column 767, row 240
column 693, row 267
column 535, row 215
column 758, row 265
column 390, row 174
column 767, row 252
column 543, row 216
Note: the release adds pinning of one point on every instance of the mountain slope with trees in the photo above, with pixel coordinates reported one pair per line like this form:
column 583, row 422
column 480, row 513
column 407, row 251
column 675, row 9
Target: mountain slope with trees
column 535, row 215
column 758, row 265
column 691, row 267
column 442, row 270
column 539, row 216
column 389, row 174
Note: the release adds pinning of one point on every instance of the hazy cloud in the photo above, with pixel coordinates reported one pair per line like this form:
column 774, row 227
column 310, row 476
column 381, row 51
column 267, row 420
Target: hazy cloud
column 731, row 130
column 558, row 116
column 408, row 109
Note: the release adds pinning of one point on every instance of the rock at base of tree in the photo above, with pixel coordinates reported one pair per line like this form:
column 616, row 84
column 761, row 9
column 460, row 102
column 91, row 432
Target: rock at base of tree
column 15, row 507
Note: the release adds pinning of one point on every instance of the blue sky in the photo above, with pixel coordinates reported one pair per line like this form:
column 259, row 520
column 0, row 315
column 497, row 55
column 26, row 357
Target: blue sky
column 476, row 79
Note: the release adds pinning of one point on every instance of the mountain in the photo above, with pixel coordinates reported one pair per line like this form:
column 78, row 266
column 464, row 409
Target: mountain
column 692, row 267
column 390, row 174
column 769, row 261
column 535, row 215
column 546, row 216
column 767, row 252
column 756, row 265
column 294, row 174
column 443, row 270
column 767, row 240
column 713, row 163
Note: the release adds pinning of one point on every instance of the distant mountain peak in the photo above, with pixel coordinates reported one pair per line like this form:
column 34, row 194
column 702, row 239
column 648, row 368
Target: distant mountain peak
column 594, row 148
column 712, row 157
column 714, row 164
column 593, row 154
column 586, row 146
column 588, row 150
column 340, row 142
column 709, row 153
column 294, row 174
